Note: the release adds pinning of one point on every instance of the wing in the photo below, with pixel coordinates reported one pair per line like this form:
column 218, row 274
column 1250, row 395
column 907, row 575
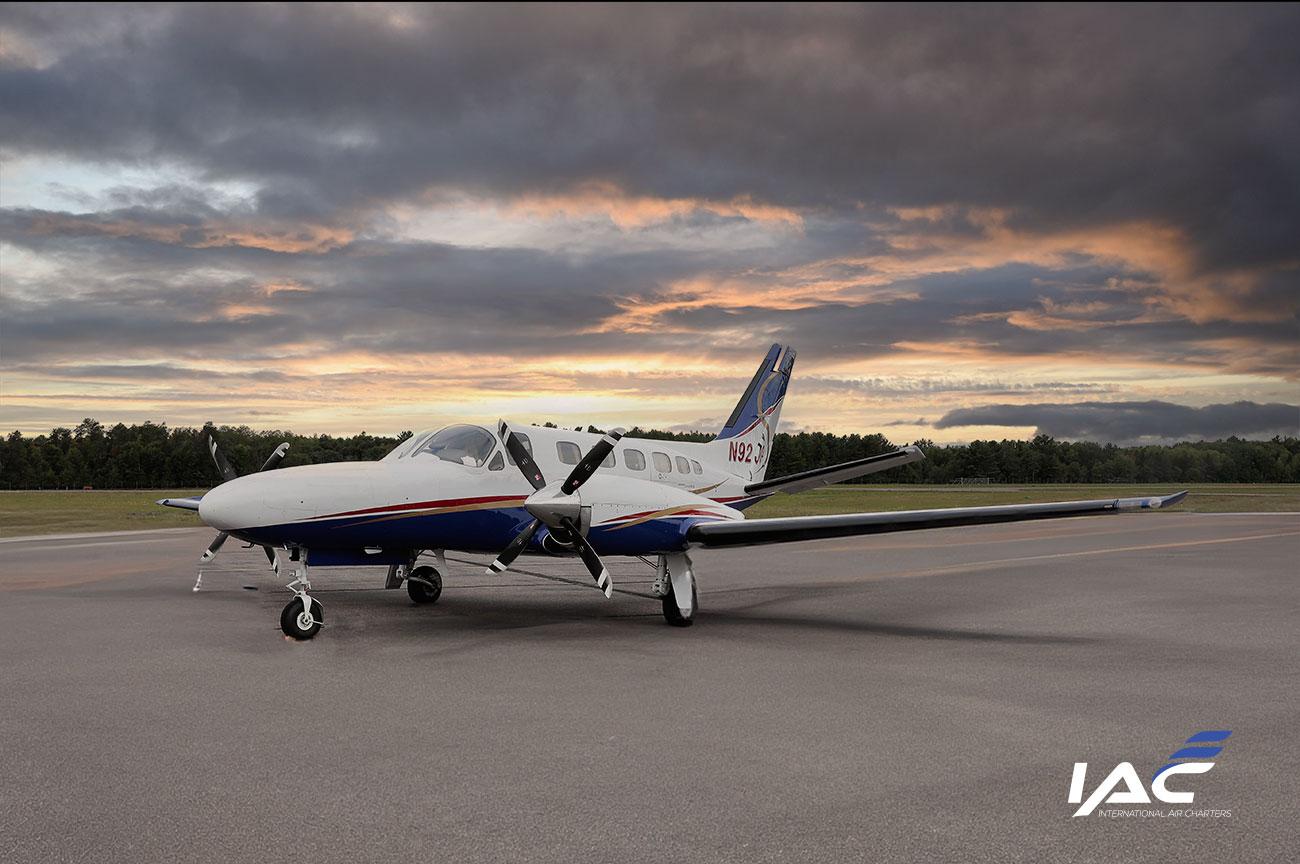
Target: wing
column 806, row 480
column 182, row 503
column 754, row 532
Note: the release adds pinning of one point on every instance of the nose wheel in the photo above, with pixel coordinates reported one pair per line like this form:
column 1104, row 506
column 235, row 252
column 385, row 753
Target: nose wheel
column 301, row 620
column 302, row 616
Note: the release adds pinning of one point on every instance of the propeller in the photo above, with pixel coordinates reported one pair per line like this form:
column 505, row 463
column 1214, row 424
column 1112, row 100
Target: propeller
column 557, row 508
column 229, row 473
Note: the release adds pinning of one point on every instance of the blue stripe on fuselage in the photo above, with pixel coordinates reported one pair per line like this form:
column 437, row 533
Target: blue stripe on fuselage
column 487, row 531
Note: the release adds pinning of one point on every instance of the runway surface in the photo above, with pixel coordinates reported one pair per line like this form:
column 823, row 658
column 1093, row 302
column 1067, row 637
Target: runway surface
column 911, row 697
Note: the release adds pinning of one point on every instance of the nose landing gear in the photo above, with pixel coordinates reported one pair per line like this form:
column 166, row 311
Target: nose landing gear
column 301, row 621
column 302, row 617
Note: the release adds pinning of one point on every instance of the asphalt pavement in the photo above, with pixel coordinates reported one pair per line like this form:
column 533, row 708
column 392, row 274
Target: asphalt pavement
column 910, row 697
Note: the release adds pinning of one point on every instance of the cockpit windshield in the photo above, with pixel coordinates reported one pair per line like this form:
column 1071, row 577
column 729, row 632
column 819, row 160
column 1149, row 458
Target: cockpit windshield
column 464, row 445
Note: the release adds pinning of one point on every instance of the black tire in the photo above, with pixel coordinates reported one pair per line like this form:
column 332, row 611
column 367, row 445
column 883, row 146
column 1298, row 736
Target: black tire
column 673, row 615
column 424, row 585
column 292, row 627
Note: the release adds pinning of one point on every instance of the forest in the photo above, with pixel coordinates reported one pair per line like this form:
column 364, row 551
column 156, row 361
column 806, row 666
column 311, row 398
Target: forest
column 150, row 455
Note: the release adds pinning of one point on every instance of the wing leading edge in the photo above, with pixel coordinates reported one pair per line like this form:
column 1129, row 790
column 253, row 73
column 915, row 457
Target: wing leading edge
column 755, row 532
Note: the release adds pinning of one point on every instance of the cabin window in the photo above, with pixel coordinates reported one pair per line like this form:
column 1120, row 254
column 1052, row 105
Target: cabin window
column 634, row 460
column 683, row 466
column 497, row 462
column 463, row 445
column 663, row 464
column 528, row 445
column 568, row 452
column 695, row 466
column 608, row 461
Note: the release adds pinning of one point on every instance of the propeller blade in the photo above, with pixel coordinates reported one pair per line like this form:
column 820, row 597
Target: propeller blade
column 218, row 457
column 274, row 458
column 595, row 566
column 271, row 557
column 212, row 550
column 522, row 457
column 511, row 552
column 585, row 468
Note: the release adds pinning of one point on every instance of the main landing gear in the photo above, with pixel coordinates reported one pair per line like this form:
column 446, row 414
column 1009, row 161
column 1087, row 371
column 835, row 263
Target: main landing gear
column 424, row 585
column 302, row 617
column 675, row 585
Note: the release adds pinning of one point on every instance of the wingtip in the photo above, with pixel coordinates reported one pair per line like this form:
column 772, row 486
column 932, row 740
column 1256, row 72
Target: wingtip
column 1173, row 499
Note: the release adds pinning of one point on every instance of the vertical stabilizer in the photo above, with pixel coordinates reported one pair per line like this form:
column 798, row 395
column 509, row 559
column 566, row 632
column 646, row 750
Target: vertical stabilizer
column 745, row 442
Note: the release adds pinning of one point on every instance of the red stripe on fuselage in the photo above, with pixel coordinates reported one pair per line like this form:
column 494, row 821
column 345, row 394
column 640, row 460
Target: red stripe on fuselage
column 424, row 505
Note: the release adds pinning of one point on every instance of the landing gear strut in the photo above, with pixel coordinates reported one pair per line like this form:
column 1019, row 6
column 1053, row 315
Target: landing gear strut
column 302, row 617
column 675, row 583
column 424, row 585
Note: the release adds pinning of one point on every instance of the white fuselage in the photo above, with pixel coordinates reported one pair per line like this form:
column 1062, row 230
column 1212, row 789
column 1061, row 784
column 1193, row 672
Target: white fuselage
column 414, row 499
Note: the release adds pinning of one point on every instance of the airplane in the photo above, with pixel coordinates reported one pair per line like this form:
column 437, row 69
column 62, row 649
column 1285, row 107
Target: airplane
column 537, row 490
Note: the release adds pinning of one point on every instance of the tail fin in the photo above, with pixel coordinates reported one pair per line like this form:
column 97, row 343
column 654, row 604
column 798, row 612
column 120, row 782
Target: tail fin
column 747, row 435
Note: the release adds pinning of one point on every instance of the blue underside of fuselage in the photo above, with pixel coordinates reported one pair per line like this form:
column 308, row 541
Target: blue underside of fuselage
column 487, row 531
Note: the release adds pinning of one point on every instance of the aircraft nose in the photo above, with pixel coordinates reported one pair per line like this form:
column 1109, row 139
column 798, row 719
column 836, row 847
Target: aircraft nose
column 225, row 507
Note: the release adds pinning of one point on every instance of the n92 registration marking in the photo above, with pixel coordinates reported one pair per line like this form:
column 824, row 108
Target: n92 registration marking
column 743, row 452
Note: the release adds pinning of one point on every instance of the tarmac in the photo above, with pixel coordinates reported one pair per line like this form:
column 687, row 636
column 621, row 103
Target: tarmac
column 906, row 697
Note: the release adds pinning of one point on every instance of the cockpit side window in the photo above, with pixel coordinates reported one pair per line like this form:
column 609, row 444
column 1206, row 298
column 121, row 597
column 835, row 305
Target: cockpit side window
column 409, row 446
column 497, row 463
column 463, row 445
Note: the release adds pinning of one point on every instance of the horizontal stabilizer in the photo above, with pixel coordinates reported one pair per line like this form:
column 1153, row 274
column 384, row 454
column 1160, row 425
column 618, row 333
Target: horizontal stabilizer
column 182, row 503
column 805, row 480
column 754, row 532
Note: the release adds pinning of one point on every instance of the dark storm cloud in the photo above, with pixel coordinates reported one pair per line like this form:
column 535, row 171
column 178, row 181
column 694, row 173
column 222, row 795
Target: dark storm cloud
column 1064, row 115
column 1123, row 422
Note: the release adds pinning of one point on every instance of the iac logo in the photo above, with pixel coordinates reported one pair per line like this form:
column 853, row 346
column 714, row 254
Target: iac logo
column 1124, row 786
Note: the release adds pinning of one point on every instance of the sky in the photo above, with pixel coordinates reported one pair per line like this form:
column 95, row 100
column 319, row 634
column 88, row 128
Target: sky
column 971, row 221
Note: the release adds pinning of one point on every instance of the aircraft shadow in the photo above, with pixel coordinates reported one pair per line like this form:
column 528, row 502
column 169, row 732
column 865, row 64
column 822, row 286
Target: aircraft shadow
column 580, row 620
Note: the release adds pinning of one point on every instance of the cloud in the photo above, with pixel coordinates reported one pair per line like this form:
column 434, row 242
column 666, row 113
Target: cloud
column 926, row 202
column 1128, row 422
column 788, row 107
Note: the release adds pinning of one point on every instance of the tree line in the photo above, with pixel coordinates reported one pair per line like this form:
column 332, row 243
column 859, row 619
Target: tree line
column 150, row 455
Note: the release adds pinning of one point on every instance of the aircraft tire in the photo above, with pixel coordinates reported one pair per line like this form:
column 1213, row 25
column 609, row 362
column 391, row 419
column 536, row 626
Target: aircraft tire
column 290, row 624
column 424, row 585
